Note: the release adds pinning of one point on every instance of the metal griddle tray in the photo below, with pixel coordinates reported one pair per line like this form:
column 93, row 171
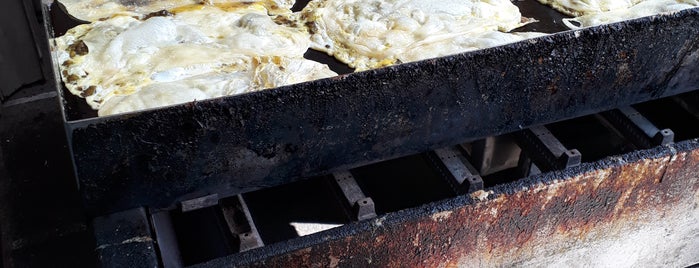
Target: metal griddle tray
column 237, row 144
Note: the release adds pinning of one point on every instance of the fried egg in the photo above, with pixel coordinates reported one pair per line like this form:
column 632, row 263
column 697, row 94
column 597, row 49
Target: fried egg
column 583, row 7
column 265, row 73
column 645, row 8
column 123, row 55
column 93, row 10
column 368, row 34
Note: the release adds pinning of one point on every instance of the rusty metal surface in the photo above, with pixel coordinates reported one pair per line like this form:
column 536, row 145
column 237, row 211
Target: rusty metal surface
column 641, row 208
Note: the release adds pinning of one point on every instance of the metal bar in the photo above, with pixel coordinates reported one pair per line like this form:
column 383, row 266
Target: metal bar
column 167, row 239
column 240, row 223
column 546, row 150
column 460, row 174
column 362, row 206
column 251, row 239
column 638, row 129
column 201, row 202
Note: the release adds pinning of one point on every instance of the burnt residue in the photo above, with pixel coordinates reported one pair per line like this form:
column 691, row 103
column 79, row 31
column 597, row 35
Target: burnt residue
column 75, row 106
column 511, row 223
column 161, row 13
column 285, row 21
column 312, row 27
column 79, row 48
column 89, row 91
column 72, row 78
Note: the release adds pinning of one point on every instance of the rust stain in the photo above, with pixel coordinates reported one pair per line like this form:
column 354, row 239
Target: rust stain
column 540, row 219
column 333, row 261
column 441, row 216
column 481, row 195
column 623, row 74
column 553, row 85
column 552, row 88
column 622, row 55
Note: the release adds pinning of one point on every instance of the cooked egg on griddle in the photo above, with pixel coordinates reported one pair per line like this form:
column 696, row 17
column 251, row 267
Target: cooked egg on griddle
column 642, row 9
column 368, row 34
column 93, row 10
column 123, row 55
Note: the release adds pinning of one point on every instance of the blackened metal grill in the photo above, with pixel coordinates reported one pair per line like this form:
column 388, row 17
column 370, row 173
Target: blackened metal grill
column 233, row 145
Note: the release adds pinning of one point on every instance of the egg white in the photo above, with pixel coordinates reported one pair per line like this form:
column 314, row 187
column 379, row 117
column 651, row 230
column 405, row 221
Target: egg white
column 642, row 9
column 368, row 34
column 93, row 10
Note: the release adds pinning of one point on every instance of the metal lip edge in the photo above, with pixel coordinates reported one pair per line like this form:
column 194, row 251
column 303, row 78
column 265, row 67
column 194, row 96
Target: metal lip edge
column 425, row 210
column 48, row 29
column 400, row 68
column 56, row 81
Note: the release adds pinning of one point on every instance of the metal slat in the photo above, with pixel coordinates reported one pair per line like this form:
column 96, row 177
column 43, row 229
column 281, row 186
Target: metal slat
column 200, row 202
column 362, row 206
column 460, row 174
column 638, row 129
column 167, row 239
column 240, row 223
column 545, row 150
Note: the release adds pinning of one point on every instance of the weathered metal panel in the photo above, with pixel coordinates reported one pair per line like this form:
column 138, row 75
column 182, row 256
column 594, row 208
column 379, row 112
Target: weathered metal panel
column 641, row 208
